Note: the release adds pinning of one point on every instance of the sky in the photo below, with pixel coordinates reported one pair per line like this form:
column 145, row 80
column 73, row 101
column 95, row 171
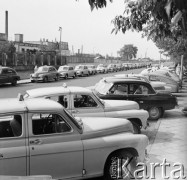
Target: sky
column 81, row 27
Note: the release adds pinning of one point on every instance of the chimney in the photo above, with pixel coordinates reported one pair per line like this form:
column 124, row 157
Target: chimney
column 6, row 24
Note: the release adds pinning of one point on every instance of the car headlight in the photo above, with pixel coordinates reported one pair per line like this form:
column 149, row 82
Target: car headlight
column 40, row 75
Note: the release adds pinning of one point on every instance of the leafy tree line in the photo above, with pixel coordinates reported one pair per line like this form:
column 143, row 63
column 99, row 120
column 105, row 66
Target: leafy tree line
column 162, row 21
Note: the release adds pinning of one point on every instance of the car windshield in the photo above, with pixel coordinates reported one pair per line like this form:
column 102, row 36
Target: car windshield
column 63, row 68
column 103, row 87
column 72, row 119
column 100, row 100
column 41, row 69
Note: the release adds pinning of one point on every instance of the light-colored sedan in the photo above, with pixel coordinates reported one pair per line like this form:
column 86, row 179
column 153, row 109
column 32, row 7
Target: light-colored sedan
column 162, row 78
column 83, row 102
column 81, row 70
column 40, row 137
column 92, row 69
column 101, row 68
column 67, row 71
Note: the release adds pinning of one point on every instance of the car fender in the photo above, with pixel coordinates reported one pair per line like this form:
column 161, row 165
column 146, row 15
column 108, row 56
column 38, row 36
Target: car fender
column 127, row 114
column 103, row 147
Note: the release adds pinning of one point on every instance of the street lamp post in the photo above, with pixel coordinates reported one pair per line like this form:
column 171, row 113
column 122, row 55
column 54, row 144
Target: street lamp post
column 60, row 29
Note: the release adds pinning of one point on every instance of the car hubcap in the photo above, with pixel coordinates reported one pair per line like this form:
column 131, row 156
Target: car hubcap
column 120, row 168
column 154, row 112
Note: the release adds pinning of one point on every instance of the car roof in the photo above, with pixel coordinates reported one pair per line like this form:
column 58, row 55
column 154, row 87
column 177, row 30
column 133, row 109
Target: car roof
column 124, row 79
column 40, row 92
column 11, row 105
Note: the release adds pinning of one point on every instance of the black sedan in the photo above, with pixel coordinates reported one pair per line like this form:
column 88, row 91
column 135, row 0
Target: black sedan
column 8, row 75
column 137, row 90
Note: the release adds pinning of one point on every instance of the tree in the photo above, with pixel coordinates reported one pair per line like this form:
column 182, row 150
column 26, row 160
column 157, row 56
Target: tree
column 163, row 21
column 128, row 51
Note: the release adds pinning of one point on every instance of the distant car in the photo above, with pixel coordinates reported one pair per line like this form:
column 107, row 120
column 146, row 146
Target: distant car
column 110, row 68
column 67, row 71
column 136, row 90
column 162, row 78
column 8, row 75
column 45, row 74
column 101, row 68
column 92, row 69
column 169, row 73
column 39, row 136
column 81, row 70
column 83, row 102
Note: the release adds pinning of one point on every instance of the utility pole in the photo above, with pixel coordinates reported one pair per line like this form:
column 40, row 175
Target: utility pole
column 60, row 47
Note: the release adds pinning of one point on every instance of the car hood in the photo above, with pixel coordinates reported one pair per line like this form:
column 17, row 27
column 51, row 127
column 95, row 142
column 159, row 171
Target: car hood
column 120, row 105
column 102, row 126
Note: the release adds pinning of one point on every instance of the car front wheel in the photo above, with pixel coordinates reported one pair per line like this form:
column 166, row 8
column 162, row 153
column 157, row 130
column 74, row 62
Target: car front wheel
column 120, row 165
column 45, row 79
column 155, row 113
column 14, row 82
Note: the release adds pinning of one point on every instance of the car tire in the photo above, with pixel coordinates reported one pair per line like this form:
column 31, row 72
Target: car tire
column 136, row 128
column 111, row 167
column 32, row 81
column 66, row 76
column 14, row 82
column 56, row 78
column 154, row 113
column 45, row 79
column 74, row 76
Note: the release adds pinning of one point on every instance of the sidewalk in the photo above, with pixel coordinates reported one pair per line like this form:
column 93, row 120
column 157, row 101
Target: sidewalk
column 170, row 143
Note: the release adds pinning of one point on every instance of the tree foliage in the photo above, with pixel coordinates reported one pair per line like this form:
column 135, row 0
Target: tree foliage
column 7, row 47
column 128, row 51
column 163, row 21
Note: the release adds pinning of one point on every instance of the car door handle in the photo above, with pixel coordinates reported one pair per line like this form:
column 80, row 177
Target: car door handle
column 75, row 111
column 36, row 141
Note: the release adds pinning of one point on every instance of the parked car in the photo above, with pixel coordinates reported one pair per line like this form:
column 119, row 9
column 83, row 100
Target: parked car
column 162, row 78
column 8, row 75
column 101, row 68
column 83, row 102
column 170, row 74
column 81, row 70
column 110, row 68
column 45, row 74
column 136, row 90
column 92, row 69
column 40, row 137
column 157, row 85
column 67, row 71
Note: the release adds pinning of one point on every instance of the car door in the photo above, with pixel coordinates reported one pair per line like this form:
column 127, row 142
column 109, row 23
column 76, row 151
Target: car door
column 13, row 151
column 55, row 146
column 86, row 105
column 143, row 95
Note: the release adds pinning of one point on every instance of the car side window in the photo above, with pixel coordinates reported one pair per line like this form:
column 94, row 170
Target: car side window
column 119, row 89
column 4, row 71
column 49, row 124
column 140, row 89
column 81, row 101
column 63, row 100
column 10, row 126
